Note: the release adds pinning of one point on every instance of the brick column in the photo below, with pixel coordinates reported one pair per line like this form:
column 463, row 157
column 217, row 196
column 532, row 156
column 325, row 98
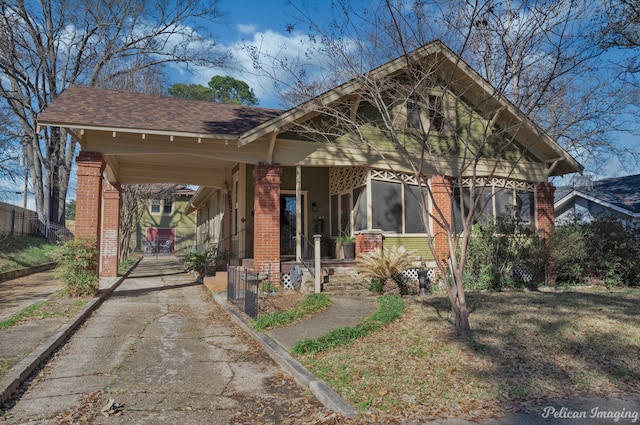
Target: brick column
column 545, row 214
column 368, row 240
column 266, row 227
column 442, row 193
column 89, row 195
column 110, row 246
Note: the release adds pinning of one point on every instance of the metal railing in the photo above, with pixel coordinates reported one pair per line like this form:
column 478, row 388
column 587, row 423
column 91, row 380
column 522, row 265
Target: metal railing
column 308, row 260
column 29, row 224
column 242, row 289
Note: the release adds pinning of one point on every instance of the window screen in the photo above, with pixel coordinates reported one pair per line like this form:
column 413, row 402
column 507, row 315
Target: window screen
column 386, row 206
column 345, row 214
column 414, row 211
column 360, row 208
column 335, row 223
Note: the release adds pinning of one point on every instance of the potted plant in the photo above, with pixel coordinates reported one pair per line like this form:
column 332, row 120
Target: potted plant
column 207, row 263
column 348, row 246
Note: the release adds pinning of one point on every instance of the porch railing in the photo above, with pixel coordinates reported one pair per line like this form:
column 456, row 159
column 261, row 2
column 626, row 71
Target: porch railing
column 308, row 259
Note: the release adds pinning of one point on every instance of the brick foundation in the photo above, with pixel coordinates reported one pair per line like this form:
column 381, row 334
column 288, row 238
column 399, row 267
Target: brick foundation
column 368, row 241
column 266, row 229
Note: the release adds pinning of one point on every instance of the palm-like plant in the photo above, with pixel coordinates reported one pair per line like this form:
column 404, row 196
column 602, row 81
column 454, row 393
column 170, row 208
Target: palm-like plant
column 386, row 265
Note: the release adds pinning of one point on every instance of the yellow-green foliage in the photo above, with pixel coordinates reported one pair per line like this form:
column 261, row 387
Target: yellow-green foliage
column 387, row 263
column 78, row 266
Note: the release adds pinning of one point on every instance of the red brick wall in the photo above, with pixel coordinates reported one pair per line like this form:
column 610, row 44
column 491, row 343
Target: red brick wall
column 110, row 230
column 545, row 215
column 266, row 229
column 89, row 195
column 442, row 193
column 368, row 241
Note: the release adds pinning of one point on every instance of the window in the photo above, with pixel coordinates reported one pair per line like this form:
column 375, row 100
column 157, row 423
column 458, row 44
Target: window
column 164, row 206
column 155, row 206
column 386, row 206
column 167, row 207
column 434, row 112
column 414, row 210
column 493, row 204
column 414, row 113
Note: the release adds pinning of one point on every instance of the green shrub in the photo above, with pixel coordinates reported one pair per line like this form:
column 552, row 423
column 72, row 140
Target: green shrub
column 376, row 285
column 504, row 255
column 390, row 308
column 207, row 262
column 604, row 251
column 77, row 266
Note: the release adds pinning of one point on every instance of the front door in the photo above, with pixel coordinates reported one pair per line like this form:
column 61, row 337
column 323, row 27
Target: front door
column 288, row 219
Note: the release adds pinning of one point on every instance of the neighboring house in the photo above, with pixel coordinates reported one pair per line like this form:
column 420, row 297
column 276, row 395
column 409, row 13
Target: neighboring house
column 164, row 227
column 585, row 199
column 265, row 189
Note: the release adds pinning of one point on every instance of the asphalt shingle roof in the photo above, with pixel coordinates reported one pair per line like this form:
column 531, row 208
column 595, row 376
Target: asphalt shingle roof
column 91, row 106
column 623, row 192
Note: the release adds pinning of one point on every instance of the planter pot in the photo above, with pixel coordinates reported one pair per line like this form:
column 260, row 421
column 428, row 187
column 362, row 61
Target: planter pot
column 325, row 250
column 349, row 250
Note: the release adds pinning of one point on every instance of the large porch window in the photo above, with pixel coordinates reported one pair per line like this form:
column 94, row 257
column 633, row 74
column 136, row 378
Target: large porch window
column 503, row 199
column 382, row 202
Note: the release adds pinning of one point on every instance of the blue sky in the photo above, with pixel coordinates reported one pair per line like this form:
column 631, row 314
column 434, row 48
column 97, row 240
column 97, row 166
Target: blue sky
column 261, row 23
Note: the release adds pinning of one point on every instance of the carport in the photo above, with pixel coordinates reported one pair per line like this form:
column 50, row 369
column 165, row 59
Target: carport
column 133, row 138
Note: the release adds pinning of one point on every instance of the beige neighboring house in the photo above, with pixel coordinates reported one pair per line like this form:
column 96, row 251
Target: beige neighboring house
column 265, row 189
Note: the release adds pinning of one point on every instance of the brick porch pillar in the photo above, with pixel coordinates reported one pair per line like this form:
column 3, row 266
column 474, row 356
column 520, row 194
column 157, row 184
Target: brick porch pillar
column 442, row 193
column 110, row 246
column 545, row 214
column 368, row 240
column 89, row 195
column 266, row 228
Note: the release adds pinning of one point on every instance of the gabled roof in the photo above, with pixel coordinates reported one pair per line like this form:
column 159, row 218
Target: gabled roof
column 466, row 79
column 86, row 107
column 621, row 194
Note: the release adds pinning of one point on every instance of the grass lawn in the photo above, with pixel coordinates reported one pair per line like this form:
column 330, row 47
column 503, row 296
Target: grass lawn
column 58, row 306
column 526, row 349
column 17, row 252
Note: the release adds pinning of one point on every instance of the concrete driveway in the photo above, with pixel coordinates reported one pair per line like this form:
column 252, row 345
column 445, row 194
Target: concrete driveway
column 164, row 352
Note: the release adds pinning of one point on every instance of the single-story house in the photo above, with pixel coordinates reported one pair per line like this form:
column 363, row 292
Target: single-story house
column 265, row 188
column 585, row 199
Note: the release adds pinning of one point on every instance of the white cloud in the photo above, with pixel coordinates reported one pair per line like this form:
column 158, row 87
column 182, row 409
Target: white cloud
column 247, row 28
column 285, row 48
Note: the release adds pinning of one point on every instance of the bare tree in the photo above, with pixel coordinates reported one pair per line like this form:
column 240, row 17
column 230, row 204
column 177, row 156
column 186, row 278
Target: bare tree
column 542, row 67
column 47, row 45
column 622, row 30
